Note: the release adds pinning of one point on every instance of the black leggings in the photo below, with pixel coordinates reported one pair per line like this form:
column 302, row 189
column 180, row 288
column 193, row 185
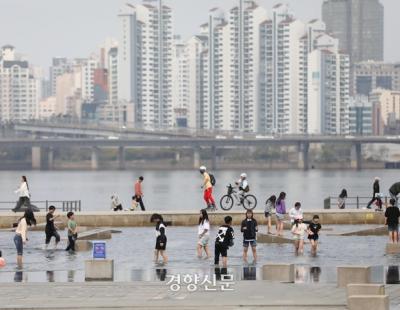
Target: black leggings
column 71, row 243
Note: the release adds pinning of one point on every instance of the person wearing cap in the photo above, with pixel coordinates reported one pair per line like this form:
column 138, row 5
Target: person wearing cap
column 208, row 188
column 299, row 230
column 295, row 212
column 243, row 185
column 375, row 193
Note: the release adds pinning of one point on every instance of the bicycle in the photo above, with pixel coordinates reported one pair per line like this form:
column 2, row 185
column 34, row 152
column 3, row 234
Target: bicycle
column 249, row 202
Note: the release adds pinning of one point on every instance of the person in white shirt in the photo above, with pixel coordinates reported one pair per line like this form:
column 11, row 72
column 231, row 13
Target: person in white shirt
column 115, row 203
column 299, row 230
column 243, row 185
column 20, row 237
column 295, row 212
column 23, row 193
column 203, row 234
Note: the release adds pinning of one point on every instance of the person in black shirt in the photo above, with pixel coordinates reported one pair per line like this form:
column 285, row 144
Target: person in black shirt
column 313, row 234
column 161, row 238
column 375, row 194
column 223, row 241
column 50, row 229
column 249, row 229
column 392, row 215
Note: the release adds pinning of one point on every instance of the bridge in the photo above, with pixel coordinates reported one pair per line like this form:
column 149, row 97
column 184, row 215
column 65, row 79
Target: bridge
column 46, row 146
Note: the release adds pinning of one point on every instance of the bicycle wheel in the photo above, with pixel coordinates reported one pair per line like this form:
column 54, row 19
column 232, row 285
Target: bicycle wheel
column 226, row 202
column 249, row 202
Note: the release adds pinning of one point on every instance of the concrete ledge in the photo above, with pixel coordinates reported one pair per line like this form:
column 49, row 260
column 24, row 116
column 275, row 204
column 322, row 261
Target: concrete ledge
column 393, row 248
column 83, row 245
column 266, row 238
column 377, row 231
column 365, row 289
column 363, row 302
column 353, row 275
column 279, row 272
column 96, row 234
column 99, row 270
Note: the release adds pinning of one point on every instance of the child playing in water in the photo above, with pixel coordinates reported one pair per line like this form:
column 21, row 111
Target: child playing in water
column 299, row 230
column 313, row 231
column 161, row 238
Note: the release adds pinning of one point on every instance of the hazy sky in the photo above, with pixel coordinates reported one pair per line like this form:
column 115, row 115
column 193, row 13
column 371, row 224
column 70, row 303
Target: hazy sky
column 42, row 29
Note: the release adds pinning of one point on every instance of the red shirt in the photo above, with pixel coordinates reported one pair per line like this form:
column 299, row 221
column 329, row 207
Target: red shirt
column 138, row 189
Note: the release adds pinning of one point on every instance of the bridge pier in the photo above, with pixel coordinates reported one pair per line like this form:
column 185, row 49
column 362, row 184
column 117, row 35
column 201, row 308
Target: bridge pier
column 95, row 158
column 196, row 158
column 36, row 158
column 121, row 158
column 213, row 157
column 177, row 156
column 303, row 161
column 356, row 156
column 50, row 158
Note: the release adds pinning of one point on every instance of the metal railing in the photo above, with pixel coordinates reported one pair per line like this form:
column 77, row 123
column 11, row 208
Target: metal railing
column 356, row 202
column 61, row 205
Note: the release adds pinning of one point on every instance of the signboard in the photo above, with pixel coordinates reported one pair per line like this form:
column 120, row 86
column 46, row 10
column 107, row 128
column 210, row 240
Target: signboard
column 99, row 249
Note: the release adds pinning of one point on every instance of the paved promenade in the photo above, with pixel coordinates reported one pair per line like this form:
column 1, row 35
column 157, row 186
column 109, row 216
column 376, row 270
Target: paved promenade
column 156, row 295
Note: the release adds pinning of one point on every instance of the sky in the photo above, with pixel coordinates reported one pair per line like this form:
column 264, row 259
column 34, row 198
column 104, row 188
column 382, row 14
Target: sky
column 42, row 29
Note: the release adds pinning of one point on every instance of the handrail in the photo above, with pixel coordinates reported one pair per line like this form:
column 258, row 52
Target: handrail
column 356, row 201
column 62, row 205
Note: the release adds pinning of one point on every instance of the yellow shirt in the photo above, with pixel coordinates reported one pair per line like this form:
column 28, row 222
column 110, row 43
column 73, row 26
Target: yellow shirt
column 207, row 181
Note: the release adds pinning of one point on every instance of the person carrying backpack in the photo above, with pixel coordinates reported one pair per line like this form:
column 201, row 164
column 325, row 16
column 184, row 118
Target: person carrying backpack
column 208, row 183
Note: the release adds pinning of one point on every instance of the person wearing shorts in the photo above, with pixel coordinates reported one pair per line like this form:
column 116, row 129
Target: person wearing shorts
column 20, row 237
column 313, row 234
column 50, row 228
column 203, row 234
column 299, row 230
column 223, row 241
column 249, row 228
column 392, row 215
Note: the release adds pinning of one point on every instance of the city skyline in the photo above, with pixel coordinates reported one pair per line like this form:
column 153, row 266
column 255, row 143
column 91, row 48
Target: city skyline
column 105, row 24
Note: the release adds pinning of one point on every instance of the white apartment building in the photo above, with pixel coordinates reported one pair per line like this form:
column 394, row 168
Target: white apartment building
column 47, row 108
column 19, row 88
column 112, row 65
column 88, row 67
column 145, row 61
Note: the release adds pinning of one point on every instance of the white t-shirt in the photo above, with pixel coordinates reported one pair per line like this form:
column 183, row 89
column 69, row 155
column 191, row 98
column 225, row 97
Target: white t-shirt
column 293, row 213
column 203, row 227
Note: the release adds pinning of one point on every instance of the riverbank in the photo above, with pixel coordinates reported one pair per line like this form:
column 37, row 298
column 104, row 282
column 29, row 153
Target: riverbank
column 190, row 218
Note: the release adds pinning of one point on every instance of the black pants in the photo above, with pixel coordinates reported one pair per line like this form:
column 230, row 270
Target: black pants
column 71, row 243
column 140, row 202
column 373, row 200
column 119, row 207
column 52, row 233
column 22, row 201
column 219, row 250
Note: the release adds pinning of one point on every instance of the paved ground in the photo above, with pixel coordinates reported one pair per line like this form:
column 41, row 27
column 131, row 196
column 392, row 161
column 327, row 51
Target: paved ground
column 151, row 295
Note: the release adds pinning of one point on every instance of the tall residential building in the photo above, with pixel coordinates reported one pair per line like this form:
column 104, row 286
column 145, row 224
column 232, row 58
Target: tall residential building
column 370, row 75
column 360, row 116
column 88, row 68
column 19, row 88
column 112, row 59
column 60, row 65
column 359, row 26
column 144, row 63
column 386, row 108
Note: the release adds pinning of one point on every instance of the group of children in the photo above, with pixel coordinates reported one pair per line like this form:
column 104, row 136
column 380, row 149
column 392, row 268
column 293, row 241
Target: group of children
column 225, row 236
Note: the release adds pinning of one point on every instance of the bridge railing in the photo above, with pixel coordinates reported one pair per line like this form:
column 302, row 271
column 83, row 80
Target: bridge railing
column 357, row 202
column 43, row 205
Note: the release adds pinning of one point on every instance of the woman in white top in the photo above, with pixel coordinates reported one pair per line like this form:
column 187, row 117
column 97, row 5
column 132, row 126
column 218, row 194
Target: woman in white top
column 20, row 237
column 203, row 234
column 299, row 230
column 23, row 193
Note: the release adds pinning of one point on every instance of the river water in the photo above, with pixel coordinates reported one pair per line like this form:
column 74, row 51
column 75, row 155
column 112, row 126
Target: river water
column 180, row 190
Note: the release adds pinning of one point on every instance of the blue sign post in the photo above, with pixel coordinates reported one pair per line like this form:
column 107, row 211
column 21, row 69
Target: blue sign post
column 99, row 249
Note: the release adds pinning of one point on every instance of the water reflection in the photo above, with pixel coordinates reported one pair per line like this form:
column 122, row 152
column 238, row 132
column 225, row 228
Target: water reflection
column 249, row 273
column 50, row 276
column 18, row 276
column 161, row 273
column 71, row 276
column 315, row 273
column 392, row 275
column 301, row 274
column 219, row 272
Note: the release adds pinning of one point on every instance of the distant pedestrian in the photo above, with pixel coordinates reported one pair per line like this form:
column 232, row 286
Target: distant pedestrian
column 375, row 194
column 116, row 204
column 249, row 228
column 203, row 234
column 299, row 230
column 207, row 187
column 313, row 234
column 394, row 191
column 24, row 195
column 161, row 238
column 224, row 240
column 134, row 203
column 139, row 192
column 269, row 208
column 342, row 199
column 392, row 215
column 295, row 212
column 21, row 231
column 50, row 229
column 280, row 209
column 72, row 231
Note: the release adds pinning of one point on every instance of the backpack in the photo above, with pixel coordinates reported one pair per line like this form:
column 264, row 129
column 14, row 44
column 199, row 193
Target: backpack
column 212, row 179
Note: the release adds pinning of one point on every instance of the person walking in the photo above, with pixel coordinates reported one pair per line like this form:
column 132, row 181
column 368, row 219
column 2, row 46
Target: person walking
column 342, row 199
column 224, row 240
column 24, row 195
column 249, row 228
column 20, row 237
column 280, row 209
column 269, row 208
column 299, row 229
column 203, row 234
column 161, row 238
column 208, row 189
column 394, row 190
column 375, row 193
column 72, row 231
column 392, row 215
column 139, row 192
column 313, row 234
column 50, row 229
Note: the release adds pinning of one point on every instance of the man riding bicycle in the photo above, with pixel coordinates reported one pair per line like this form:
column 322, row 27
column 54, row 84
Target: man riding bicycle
column 243, row 186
